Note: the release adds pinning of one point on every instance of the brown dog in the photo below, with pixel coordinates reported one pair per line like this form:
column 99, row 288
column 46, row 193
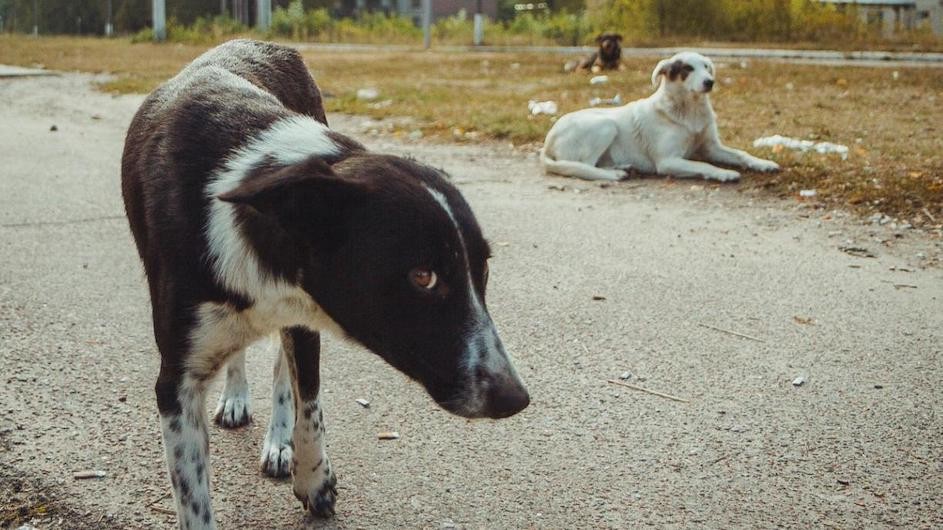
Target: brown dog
column 607, row 57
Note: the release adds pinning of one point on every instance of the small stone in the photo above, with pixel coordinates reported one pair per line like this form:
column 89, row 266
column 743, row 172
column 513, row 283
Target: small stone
column 625, row 376
column 368, row 94
column 879, row 387
column 53, row 128
column 799, row 381
column 89, row 473
column 363, row 403
column 415, row 135
column 388, row 435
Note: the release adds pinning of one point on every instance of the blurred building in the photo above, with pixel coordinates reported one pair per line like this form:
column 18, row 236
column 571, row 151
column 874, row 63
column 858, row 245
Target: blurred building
column 897, row 15
column 413, row 8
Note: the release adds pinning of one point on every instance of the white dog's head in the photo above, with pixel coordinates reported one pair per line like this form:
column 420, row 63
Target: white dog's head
column 686, row 71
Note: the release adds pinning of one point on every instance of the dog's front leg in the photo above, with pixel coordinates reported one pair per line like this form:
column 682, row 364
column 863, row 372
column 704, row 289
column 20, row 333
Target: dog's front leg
column 233, row 409
column 314, row 481
column 713, row 150
column 181, row 400
column 277, row 451
column 721, row 154
column 683, row 168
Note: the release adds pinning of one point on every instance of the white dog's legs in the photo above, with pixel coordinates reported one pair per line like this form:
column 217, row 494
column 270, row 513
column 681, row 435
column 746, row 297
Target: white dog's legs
column 721, row 154
column 682, row 168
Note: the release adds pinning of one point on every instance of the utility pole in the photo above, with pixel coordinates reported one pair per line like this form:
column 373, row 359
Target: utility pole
column 426, row 24
column 35, row 18
column 109, row 27
column 479, row 25
column 263, row 14
column 160, row 20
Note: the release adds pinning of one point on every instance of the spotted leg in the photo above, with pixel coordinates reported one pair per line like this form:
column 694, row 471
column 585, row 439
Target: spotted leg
column 277, row 448
column 314, row 482
column 182, row 402
column 233, row 409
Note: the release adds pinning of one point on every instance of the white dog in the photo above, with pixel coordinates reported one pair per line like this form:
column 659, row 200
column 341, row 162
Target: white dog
column 658, row 134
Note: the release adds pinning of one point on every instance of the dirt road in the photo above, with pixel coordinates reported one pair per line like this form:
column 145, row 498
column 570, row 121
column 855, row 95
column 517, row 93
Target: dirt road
column 646, row 277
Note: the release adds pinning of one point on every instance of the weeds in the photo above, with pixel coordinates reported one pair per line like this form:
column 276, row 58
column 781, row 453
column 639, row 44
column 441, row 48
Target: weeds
column 890, row 121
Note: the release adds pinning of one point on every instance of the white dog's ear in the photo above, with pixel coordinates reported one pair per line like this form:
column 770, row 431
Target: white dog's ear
column 660, row 70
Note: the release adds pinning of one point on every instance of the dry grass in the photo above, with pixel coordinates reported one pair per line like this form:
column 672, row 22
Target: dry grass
column 893, row 126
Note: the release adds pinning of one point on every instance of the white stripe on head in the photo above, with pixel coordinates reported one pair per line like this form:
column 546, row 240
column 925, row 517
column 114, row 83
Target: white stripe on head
column 477, row 306
column 287, row 141
column 482, row 327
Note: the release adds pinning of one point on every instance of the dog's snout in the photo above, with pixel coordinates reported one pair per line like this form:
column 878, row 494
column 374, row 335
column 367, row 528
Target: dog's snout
column 709, row 84
column 506, row 398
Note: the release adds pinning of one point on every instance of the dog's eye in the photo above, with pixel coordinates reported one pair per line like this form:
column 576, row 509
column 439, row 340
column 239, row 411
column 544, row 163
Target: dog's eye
column 424, row 278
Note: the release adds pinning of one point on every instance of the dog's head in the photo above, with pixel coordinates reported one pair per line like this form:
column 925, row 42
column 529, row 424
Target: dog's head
column 688, row 71
column 609, row 45
column 393, row 254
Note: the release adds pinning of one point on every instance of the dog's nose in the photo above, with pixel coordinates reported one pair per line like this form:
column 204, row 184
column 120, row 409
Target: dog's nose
column 709, row 85
column 506, row 399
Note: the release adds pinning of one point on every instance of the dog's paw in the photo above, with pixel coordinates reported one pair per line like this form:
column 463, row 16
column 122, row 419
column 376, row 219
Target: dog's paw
column 766, row 166
column 618, row 174
column 276, row 458
column 232, row 411
column 724, row 175
column 319, row 501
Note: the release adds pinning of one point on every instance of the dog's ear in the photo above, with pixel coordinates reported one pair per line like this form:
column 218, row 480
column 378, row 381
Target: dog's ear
column 298, row 197
column 668, row 68
column 661, row 69
column 600, row 38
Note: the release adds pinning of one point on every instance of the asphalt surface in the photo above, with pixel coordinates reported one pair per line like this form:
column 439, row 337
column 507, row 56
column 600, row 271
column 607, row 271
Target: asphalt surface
column 648, row 277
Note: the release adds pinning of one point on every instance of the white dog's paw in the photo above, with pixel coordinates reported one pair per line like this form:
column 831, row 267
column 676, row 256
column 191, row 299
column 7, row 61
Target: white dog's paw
column 276, row 457
column 766, row 166
column 620, row 174
column 723, row 175
column 316, row 487
column 233, row 411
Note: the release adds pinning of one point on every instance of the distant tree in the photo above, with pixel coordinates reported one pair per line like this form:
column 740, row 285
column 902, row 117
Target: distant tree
column 570, row 6
column 131, row 16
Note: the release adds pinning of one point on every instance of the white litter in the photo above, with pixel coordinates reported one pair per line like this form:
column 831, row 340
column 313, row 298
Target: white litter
column 802, row 145
column 599, row 80
column 368, row 94
column 799, row 381
column 615, row 101
column 807, row 193
column 542, row 107
column 363, row 403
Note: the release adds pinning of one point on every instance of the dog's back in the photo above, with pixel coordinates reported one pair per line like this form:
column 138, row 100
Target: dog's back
column 193, row 118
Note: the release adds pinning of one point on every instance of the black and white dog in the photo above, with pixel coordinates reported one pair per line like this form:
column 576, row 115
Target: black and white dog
column 253, row 218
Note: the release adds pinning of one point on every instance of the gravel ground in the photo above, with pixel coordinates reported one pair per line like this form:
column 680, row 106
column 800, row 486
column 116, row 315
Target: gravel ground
column 588, row 282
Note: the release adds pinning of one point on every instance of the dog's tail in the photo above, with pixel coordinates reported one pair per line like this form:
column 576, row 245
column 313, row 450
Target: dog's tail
column 580, row 170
